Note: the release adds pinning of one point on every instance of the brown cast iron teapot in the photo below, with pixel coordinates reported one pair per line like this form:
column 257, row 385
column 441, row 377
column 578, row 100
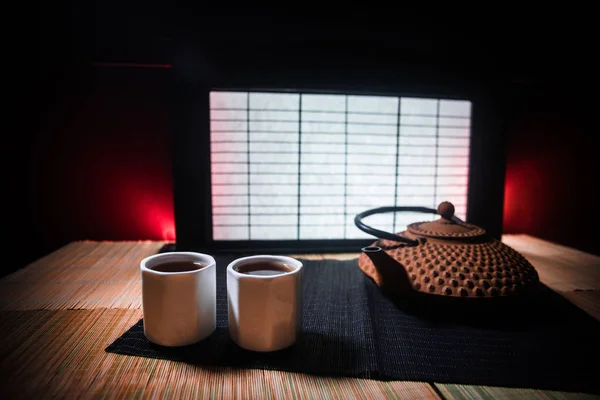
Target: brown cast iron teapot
column 446, row 257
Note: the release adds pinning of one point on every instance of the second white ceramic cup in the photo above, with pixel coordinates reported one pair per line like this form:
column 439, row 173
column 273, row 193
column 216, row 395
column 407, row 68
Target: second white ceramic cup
column 265, row 312
column 180, row 308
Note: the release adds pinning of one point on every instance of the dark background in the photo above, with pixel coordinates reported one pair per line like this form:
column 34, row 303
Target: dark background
column 90, row 155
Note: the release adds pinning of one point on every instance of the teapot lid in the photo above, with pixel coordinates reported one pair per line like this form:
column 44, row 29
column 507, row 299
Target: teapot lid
column 446, row 227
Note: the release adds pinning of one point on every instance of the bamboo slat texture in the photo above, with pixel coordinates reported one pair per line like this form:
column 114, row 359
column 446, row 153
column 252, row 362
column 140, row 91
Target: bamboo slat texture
column 465, row 392
column 587, row 300
column 560, row 268
column 58, row 314
column 61, row 354
column 80, row 275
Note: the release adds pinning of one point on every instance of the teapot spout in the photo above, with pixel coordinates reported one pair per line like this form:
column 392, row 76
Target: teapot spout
column 393, row 275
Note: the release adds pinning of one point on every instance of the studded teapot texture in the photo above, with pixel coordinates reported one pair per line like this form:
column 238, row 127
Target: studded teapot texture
column 486, row 269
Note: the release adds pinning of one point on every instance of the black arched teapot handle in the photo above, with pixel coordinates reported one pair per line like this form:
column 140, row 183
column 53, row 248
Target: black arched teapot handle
column 388, row 235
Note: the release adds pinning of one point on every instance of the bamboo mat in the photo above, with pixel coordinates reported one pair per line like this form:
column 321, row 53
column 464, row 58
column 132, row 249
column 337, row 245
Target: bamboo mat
column 90, row 275
column 587, row 300
column 460, row 392
column 58, row 314
column 61, row 354
column 80, row 275
column 560, row 268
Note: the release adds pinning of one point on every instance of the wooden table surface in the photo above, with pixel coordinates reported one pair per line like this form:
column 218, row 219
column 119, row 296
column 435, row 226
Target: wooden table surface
column 58, row 314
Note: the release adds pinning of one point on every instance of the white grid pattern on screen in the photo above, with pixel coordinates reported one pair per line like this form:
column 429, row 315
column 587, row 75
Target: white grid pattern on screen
column 290, row 166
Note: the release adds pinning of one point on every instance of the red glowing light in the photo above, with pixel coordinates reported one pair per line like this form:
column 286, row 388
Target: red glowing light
column 147, row 204
column 522, row 189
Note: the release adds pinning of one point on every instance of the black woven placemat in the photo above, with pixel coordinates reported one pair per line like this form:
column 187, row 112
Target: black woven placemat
column 351, row 329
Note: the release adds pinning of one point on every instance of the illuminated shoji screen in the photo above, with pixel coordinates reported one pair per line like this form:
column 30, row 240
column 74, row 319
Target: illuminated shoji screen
column 291, row 166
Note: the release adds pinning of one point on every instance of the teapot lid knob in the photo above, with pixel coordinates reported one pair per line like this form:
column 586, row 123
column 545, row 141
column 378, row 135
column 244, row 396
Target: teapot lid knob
column 446, row 227
column 446, row 210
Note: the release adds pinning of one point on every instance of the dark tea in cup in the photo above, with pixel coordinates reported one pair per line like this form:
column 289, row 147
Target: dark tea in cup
column 264, row 268
column 178, row 266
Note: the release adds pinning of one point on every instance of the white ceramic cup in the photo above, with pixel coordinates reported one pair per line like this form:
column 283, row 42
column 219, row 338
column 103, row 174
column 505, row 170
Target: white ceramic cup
column 180, row 308
column 265, row 312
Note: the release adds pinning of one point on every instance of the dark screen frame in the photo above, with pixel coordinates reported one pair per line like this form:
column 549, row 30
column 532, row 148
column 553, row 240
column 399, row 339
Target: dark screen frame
column 189, row 99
